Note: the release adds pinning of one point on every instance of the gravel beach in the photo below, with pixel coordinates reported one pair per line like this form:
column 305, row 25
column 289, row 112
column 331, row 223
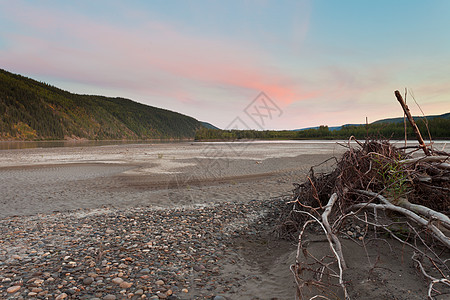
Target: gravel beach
column 180, row 253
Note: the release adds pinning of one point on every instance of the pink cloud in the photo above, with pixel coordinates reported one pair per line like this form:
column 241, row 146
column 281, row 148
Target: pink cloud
column 156, row 58
column 189, row 72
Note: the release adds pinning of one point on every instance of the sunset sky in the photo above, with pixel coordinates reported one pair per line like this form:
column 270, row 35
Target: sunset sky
column 321, row 62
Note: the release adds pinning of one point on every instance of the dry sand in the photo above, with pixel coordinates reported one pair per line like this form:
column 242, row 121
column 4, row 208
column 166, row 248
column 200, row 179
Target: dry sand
column 48, row 180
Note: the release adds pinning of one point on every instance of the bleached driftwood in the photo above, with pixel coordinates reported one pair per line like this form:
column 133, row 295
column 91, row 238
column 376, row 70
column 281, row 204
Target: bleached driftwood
column 330, row 234
column 424, row 159
column 333, row 242
column 420, row 209
column 411, row 215
column 432, row 279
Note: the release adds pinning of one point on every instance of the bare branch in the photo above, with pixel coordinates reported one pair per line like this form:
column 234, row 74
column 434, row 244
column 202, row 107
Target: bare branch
column 412, row 122
column 421, row 221
column 330, row 233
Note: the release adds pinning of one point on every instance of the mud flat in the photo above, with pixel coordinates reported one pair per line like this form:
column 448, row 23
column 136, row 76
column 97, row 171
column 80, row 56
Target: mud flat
column 45, row 180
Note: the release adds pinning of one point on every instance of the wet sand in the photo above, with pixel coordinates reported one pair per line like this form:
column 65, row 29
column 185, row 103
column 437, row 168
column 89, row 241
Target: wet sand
column 46, row 180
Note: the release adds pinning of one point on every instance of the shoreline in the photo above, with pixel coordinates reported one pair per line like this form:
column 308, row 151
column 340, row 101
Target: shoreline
column 168, row 221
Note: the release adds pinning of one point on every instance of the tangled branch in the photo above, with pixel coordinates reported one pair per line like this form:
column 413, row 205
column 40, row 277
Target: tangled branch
column 374, row 176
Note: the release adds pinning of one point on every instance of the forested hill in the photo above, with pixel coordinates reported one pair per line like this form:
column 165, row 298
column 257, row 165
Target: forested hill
column 31, row 110
column 436, row 127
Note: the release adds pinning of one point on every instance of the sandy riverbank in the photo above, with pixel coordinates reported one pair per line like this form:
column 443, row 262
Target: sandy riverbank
column 46, row 180
column 196, row 216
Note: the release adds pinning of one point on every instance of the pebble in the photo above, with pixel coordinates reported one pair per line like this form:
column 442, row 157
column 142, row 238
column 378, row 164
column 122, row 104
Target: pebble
column 88, row 280
column 124, row 253
column 139, row 292
column 125, row 285
column 159, row 282
column 13, row 289
column 117, row 280
column 61, row 296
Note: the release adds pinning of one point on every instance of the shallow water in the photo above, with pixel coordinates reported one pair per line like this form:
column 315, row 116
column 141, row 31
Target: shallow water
column 11, row 145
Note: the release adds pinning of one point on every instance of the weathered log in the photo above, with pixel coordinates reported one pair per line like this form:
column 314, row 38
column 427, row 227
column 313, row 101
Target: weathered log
column 408, row 213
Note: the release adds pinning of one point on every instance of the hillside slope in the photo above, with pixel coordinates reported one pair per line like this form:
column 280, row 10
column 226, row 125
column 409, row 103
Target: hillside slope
column 30, row 110
column 384, row 121
column 416, row 118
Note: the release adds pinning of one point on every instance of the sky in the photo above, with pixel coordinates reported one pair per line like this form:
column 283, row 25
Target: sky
column 316, row 62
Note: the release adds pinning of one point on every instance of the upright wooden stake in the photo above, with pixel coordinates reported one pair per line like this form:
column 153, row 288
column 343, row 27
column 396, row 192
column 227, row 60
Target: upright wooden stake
column 412, row 122
column 404, row 122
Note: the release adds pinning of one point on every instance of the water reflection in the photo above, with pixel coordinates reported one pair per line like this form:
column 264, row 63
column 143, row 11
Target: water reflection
column 12, row 145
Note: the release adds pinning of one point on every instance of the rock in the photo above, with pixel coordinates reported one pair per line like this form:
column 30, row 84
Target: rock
column 13, row 289
column 71, row 292
column 117, row 280
column 38, row 282
column 61, row 296
column 72, row 264
column 145, row 271
column 198, row 268
column 88, row 280
column 125, row 285
column 219, row 298
column 139, row 292
column 122, row 266
column 159, row 282
column 109, row 297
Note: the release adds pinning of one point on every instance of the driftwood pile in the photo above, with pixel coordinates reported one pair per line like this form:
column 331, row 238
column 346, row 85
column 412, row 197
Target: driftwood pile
column 379, row 186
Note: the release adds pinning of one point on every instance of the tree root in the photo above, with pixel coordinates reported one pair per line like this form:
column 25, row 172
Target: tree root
column 347, row 193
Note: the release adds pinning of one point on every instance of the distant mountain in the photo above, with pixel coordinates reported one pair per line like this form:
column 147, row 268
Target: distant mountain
column 400, row 119
column 382, row 121
column 31, row 110
column 209, row 125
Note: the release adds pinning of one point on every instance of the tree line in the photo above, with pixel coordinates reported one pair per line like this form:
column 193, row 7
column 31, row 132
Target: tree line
column 438, row 128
